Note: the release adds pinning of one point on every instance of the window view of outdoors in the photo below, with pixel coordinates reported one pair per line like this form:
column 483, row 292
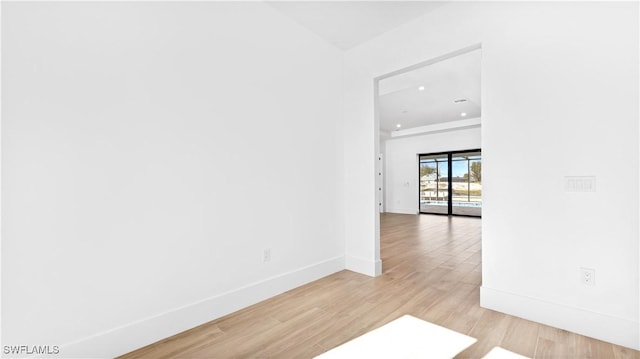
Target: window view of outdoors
column 434, row 185
column 465, row 182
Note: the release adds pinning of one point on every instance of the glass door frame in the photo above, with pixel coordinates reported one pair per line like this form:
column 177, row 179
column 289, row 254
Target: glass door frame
column 449, row 155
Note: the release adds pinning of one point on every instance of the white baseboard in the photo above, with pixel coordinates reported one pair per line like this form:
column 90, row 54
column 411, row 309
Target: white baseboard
column 143, row 332
column 364, row 266
column 604, row 327
column 402, row 211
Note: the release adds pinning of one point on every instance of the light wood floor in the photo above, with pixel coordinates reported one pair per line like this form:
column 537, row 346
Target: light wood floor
column 431, row 271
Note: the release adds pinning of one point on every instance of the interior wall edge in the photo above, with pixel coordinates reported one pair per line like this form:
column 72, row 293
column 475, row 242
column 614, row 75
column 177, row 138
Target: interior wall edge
column 364, row 266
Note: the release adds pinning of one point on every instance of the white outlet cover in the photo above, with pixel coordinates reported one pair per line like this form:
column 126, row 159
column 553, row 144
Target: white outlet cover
column 588, row 276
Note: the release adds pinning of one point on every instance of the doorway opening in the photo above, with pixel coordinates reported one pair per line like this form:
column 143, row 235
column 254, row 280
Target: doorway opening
column 422, row 114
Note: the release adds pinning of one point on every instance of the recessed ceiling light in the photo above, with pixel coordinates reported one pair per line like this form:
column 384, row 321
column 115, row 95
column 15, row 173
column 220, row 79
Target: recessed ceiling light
column 421, row 88
column 463, row 114
column 398, row 125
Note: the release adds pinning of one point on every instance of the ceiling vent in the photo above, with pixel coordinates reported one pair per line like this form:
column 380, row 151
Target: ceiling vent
column 460, row 100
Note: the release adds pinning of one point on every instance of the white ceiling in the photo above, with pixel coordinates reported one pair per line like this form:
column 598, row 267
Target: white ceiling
column 349, row 23
column 402, row 102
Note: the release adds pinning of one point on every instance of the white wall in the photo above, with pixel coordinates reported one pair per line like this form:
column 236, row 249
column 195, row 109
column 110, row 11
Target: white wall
column 560, row 98
column 361, row 146
column 151, row 152
column 401, row 174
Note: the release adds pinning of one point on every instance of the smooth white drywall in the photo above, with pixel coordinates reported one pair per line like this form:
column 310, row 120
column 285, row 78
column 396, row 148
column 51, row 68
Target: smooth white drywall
column 401, row 173
column 361, row 146
column 560, row 98
column 151, row 152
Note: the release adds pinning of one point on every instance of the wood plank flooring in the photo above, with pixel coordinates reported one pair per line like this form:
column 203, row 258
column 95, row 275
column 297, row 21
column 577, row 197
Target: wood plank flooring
column 432, row 270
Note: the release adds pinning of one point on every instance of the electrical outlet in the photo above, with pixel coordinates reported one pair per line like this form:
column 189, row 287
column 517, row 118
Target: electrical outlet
column 267, row 255
column 588, row 276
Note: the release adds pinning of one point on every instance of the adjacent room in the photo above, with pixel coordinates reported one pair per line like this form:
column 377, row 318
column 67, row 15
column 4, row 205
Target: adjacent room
column 458, row 178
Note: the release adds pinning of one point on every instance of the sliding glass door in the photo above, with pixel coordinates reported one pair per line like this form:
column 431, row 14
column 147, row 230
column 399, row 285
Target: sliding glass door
column 434, row 188
column 467, row 183
column 451, row 183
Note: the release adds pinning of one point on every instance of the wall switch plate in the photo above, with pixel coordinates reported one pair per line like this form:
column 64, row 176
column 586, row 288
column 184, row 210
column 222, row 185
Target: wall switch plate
column 580, row 183
column 267, row 255
column 588, row 276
